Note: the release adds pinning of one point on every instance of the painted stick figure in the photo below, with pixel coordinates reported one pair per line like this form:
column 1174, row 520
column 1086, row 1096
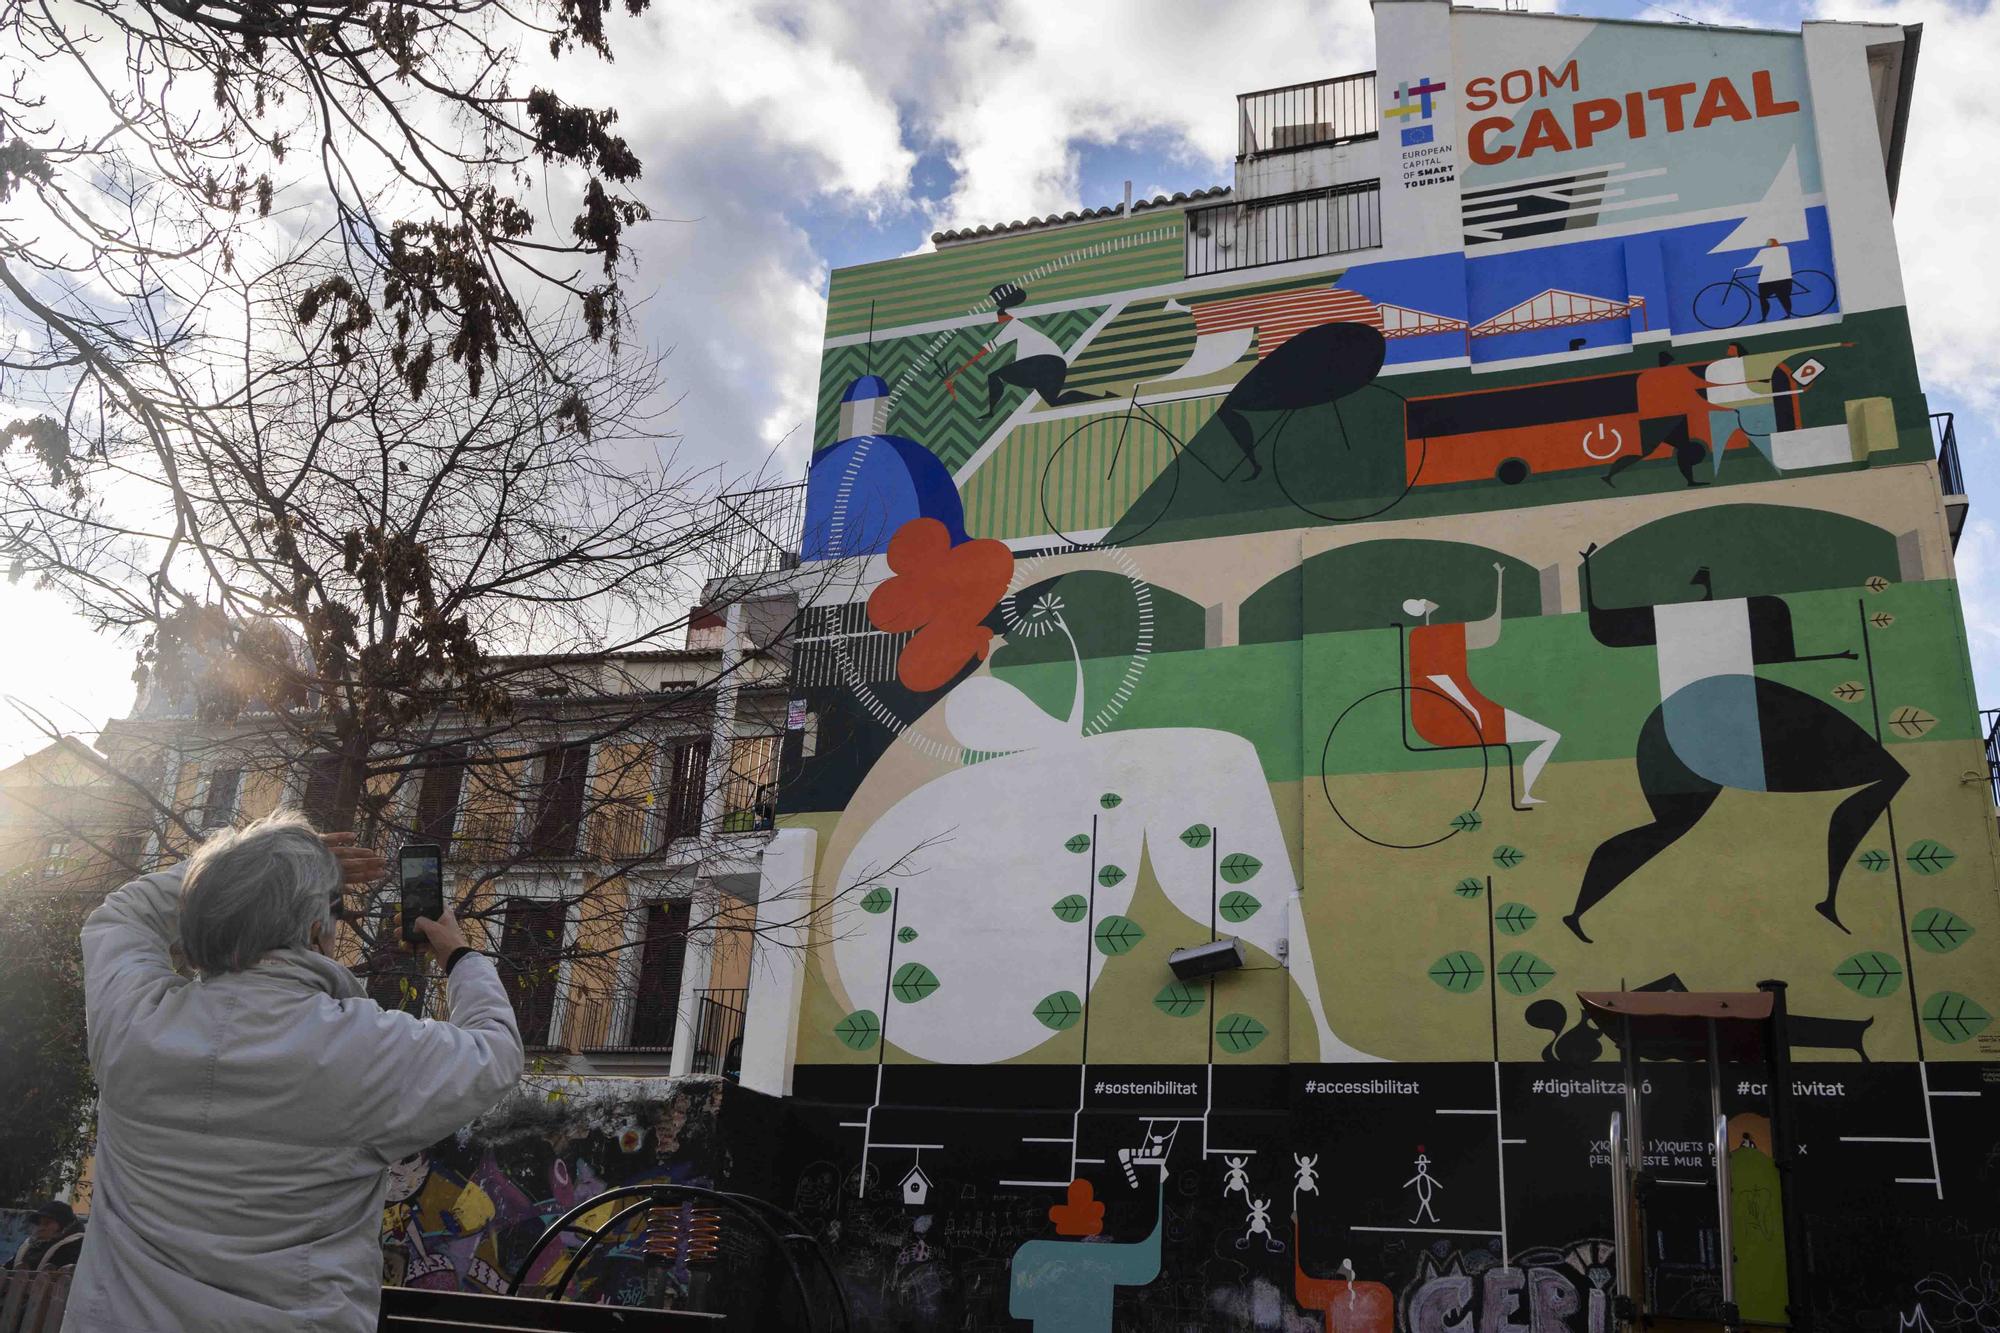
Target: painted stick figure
column 1237, row 1178
column 1424, row 1184
column 1305, row 1175
column 1260, row 1225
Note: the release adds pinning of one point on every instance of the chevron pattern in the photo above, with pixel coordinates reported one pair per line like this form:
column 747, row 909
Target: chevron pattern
column 915, row 368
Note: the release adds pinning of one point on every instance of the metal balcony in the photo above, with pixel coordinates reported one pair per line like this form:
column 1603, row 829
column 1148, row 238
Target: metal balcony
column 1951, row 473
column 1306, row 115
column 1307, row 225
column 718, row 1030
column 1990, row 720
column 757, row 532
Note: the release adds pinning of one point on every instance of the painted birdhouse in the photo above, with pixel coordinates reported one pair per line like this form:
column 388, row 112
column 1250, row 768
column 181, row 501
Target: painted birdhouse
column 916, row 1187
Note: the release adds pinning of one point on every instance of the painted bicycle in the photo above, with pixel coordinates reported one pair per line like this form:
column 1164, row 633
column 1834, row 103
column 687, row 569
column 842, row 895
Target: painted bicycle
column 1122, row 471
column 1727, row 304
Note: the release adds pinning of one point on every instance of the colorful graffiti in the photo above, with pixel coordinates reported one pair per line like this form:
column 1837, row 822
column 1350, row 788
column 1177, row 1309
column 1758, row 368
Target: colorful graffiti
column 1554, row 597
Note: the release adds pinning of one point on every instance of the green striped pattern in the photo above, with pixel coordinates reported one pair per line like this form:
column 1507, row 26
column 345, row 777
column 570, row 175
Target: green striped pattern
column 1060, row 265
column 1146, row 341
column 1143, row 342
column 914, row 368
column 1086, row 490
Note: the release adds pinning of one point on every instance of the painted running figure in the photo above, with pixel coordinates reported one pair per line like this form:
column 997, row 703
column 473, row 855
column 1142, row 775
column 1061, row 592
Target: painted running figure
column 1038, row 365
column 1237, row 1178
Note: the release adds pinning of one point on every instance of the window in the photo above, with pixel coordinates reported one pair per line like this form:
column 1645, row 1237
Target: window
column 559, row 802
column 530, row 951
column 322, row 784
column 218, row 808
column 438, row 795
column 687, row 789
column 55, row 861
column 750, row 794
column 656, row 999
column 128, row 854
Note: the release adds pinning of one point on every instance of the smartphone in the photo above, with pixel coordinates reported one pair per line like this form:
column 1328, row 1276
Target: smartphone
column 421, row 869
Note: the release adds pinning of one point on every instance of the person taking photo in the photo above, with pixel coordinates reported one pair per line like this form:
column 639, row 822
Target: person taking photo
column 247, row 1116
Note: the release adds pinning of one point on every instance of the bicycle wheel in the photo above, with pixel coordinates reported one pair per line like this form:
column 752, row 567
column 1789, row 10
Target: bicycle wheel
column 1812, row 293
column 1373, row 728
column 1113, row 472
column 1366, row 506
column 1723, row 305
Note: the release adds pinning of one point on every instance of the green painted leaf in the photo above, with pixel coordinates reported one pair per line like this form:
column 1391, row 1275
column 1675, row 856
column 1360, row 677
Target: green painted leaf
column 1118, row 934
column 1111, row 800
column 1874, row 860
column 1469, row 887
column 912, row 982
column 1951, row 1017
column 1239, row 866
column 1850, row 691
column 1059, row 1011
column 877, row 900
column 1080, row 843
column 1197, row 835
column 1237, row 1033
column 1939, row 931
column 1908, row 721
column 860, row 1030
column 1459, row 972
column 1521, row 973
column 1508, row 857
column 1870, row 972
column 1237, row 905
column 1073, row 908
column 1109, row 875
column 1515, row 918
column 907, row 934
column 1927, row 856
column 1177, row 999
column 1466, row 822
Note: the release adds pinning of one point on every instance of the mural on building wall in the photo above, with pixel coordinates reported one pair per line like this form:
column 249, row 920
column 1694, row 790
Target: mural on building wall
column 1567, row 610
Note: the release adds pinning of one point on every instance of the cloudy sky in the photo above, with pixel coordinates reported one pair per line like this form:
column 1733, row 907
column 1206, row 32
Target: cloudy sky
column 782, row 140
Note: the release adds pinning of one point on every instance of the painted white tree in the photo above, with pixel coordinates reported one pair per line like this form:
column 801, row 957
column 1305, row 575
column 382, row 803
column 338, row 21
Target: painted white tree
column 968, row 950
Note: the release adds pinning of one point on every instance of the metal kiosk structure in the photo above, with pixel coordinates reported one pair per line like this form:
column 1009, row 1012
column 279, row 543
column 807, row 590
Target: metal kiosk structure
column 1745, row 1028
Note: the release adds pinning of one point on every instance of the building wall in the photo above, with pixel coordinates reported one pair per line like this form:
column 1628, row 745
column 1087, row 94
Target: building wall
column 1367, row 634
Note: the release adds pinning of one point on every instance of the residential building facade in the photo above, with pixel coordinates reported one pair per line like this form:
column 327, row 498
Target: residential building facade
column 1333, row 688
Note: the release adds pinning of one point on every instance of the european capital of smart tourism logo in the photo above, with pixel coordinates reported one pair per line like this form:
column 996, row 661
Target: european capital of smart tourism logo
column 1414, row 99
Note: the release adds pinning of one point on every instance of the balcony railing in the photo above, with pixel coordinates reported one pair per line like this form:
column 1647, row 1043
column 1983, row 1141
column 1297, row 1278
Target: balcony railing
column 757, row 532
column 1287, row 227
column 621, row 1020
column 1990, row 717
column 1951, row 474
column 718, row 1031
column 1306, row 115
column 625, row 1021
column 620, row 834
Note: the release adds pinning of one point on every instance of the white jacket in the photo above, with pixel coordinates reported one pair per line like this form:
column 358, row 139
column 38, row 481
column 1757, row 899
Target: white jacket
column 245, row 1124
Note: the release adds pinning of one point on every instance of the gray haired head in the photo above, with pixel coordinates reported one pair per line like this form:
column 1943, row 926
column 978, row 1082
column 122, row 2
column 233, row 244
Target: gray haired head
column 253, row 890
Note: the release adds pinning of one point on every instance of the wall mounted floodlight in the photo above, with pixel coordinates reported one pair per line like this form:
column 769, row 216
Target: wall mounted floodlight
column 1203, row 960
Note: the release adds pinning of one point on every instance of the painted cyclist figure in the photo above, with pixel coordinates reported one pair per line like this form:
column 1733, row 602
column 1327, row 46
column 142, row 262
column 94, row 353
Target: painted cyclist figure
column 1038, row 365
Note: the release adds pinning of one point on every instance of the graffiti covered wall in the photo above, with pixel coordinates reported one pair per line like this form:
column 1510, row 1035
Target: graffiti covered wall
column 1555, row 597
column 465, row 1214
